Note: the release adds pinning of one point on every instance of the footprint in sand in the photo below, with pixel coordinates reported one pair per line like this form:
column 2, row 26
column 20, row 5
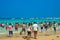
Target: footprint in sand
column 57, row 36
column 52, row 39
column 46, row 34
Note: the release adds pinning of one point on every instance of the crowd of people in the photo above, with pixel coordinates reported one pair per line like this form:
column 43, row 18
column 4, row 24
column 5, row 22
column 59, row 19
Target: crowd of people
column 31, row 27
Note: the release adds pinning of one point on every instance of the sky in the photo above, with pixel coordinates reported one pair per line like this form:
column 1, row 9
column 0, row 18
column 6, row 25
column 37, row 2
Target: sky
column 29, row 8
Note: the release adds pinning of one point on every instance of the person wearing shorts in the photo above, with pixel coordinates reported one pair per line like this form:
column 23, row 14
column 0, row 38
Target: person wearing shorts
column 10, row 32
column 10, row 29
column 29, row 30
column 16, row 26
column 54, row 26
column 41, row 27
column 46, row 26
column 35, row 29
column 23, row 28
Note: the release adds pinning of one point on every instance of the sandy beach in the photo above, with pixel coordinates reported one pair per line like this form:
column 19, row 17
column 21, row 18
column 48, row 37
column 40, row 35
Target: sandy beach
column 41, row 36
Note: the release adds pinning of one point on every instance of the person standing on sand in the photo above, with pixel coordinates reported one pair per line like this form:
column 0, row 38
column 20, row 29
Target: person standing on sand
column 50, row 25
column 35, row 29
column 10, row 29
column 54, row 26
column 46, row 26
column 41, row 25
column 29, row 30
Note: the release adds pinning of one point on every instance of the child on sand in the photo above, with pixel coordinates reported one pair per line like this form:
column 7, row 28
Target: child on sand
column 10, row 30
column 29, row 31
column 35, row 29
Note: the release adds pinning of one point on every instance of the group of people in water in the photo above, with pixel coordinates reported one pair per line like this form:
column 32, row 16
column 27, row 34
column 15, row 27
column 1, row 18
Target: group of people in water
column 31, row 28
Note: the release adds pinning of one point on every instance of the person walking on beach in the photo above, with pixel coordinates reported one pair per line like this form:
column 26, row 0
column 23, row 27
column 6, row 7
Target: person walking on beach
column 41, row 25
column 46, row 26
column 35, row 29
column 29, row 30
column 10, row 29
column 23, row 29
column 50, row 25
column 54, row 26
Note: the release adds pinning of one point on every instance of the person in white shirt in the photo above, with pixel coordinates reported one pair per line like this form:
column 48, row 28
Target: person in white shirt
column 54, row 26
column 29, row 30
column 35, row 29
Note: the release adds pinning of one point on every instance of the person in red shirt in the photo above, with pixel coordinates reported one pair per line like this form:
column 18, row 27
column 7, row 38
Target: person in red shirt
column 16, row 26
column 59, row 24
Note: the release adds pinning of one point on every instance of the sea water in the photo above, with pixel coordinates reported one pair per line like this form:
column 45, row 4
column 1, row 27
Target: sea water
column 13, row 21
